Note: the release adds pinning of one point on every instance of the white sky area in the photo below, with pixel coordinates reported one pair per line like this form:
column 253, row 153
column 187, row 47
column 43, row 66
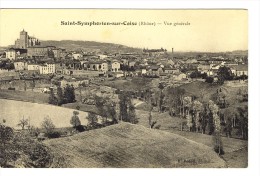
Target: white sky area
column 209, row 30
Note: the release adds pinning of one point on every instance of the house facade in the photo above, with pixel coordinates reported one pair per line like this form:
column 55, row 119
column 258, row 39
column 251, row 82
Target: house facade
column 20, row 65
column 47, row 68
column 115, row 66
column 33, row 67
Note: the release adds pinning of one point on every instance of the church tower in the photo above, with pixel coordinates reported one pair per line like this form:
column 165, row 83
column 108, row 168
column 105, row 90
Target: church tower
column 23, row 39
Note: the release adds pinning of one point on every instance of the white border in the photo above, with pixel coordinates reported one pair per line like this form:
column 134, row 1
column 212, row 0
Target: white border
column 254, row 10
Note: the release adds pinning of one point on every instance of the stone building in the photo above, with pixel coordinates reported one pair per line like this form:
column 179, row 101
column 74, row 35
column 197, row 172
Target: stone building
column 26, row 41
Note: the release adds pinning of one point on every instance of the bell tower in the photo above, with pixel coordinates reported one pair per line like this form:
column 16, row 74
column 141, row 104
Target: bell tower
column 23, row 39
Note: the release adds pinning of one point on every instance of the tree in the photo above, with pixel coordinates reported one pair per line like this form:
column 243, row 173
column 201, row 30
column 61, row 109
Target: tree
column 187, row 102
column 204, row 119
column 123, row 102
column 100, row 103
column 175, row 97
column 69, row 94
column 243, row 121
column 60, row 96
column 189, row 121
column 209, row 79
column 195, row 74
column 131, row 114
column 92, row 119
column 74, row 121
column 6, row 144
column 218, row 145
column 197, row 108
column 229, row 114
column 23, row 123
column 52, row 98
column 48, row 125
column 224, row 73
column 6, row 134
column 111, row 112
column 25, row 86
column 126, row 108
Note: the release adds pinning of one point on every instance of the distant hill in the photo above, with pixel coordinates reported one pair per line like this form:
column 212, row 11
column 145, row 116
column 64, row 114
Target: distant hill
column 130, row 146
column 90, row 46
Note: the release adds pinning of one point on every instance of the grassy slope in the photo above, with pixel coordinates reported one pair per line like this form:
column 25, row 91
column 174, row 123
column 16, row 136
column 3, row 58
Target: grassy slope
column 172, row 124
column 237, row 159
column 127, row 145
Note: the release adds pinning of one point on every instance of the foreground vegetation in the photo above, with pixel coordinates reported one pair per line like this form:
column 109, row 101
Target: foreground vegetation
column 19, row 149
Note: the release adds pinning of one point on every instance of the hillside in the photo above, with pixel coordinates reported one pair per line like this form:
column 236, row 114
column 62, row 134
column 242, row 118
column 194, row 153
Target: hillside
column 207, row 91
column 130, row 146
column 89, row 46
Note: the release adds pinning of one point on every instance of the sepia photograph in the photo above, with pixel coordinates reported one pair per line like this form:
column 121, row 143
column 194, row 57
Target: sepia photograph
column 124, row 88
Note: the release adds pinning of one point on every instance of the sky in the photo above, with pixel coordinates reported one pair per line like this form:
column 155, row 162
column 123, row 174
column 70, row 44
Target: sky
column 207, row 30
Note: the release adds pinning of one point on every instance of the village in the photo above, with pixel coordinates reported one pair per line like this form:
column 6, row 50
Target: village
column 187, row 93
column 29, row 60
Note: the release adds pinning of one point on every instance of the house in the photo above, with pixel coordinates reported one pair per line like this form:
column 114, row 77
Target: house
column 14, row 53
column 77, row 56
column 191, row 61
column 171, row 70
column 203, row 68
column 104, row 66
column 47, row 68
column 115, row 66
column 240, row 70
column 72, row 64
column 118, row 74
column 170, row 62
column 57, row 52
column 76, row 84
column 131, row 64
column 163, row 76
column 102, row 56
column 20, row 65
column 143, row 71
column 153, row 70
column 179, row 76
column 37, row 51
column 215, row 66
column 33, row 67
column 230, row 64
column 95, row 66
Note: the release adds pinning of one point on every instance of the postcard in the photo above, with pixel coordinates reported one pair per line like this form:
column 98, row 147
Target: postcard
column 124, row 88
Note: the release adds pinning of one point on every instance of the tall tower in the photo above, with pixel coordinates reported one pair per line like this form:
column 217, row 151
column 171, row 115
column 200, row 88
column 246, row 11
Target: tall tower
column 172, row 52
column 23, row 39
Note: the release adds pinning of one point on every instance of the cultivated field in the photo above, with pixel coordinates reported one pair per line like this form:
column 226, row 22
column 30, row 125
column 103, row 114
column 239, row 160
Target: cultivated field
column 126, row 145
column 13, row 111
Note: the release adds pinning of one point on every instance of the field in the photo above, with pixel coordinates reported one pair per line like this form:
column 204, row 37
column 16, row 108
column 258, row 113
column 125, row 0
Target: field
column 13, row 111
column 126, row 145
column 28, row 96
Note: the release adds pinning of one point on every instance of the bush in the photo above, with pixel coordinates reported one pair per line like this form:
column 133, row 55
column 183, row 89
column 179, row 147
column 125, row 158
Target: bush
column 209, row 80
column 54, row 134
column 81, row 128
column 39, row 156
column 219, row 151
column 48, row 125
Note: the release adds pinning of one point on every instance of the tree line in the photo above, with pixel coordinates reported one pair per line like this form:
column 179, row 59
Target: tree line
column 63, row 96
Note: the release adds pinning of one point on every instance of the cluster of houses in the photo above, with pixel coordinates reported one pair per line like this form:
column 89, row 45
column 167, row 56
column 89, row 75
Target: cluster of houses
column 29, row 55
